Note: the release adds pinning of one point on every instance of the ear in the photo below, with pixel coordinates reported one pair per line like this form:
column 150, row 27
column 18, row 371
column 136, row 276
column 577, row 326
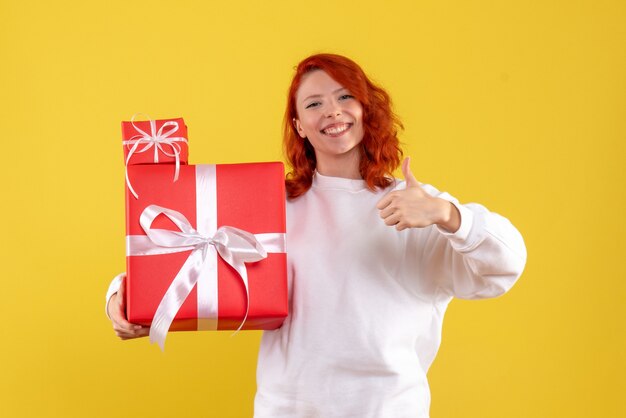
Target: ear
column 298, row 127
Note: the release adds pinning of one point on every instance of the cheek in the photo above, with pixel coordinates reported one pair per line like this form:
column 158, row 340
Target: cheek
column 310, row 125
column 303, row 126
column 357, row 111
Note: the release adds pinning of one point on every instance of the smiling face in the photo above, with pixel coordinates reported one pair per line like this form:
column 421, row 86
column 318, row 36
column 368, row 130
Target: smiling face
column 330, row 118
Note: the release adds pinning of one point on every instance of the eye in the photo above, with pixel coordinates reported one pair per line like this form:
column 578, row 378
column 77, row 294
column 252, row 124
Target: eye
column 312, row 104
column 346, row 96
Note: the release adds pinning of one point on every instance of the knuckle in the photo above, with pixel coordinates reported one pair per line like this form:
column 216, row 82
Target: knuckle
column 121, row 328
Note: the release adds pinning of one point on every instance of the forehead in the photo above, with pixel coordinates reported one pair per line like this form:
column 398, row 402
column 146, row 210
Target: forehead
column 316, row 82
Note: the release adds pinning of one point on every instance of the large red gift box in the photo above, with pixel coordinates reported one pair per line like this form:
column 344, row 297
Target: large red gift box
column 250, row 197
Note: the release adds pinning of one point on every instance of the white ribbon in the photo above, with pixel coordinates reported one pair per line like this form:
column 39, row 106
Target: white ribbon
column 235, row 246
column 154, row 139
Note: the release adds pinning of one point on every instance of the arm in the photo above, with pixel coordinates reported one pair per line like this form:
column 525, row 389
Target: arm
column 114, row 287
column 468, row 251
column 483, row 258
column 115, row 310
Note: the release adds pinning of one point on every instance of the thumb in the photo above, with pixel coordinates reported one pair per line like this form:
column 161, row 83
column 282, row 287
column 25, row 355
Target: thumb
column 411, row 181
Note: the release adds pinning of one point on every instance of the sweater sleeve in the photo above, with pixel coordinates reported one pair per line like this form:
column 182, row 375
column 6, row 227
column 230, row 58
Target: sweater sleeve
column 113, row 289
column 482, row 259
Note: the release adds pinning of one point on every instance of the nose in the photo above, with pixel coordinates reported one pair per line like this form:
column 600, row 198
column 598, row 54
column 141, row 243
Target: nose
column 334, row 109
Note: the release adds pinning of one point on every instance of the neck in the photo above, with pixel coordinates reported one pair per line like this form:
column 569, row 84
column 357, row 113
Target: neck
column 345, row 166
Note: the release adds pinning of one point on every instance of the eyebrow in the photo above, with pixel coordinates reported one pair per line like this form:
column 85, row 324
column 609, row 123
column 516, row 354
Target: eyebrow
column 319, row 95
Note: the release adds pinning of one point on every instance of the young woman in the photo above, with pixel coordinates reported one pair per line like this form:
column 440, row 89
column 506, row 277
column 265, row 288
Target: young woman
column 373, row 261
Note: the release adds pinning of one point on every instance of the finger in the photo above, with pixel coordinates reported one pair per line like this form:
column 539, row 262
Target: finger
column 388, row 211
column 401, row 226
column 386, row 200
column 144, row 332
column 133, row 334
column 382, row 203
column 132, row 331
column 119, row 319
column 127, row 326
column 125, row 336
column 137, row 334
column 393, row 219
column 411, row 181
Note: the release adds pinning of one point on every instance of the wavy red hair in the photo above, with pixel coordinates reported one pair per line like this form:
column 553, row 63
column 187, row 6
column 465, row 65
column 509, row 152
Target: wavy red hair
column 380, row 147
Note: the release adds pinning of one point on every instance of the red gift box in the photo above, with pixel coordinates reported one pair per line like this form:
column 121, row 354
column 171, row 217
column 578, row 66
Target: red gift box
column 155, row 141
column 250, row 197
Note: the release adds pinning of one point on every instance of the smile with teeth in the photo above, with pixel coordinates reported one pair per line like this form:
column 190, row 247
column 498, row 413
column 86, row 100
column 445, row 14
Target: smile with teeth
column 336, row 130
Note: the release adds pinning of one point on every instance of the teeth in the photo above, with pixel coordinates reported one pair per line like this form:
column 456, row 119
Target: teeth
column 336, row 130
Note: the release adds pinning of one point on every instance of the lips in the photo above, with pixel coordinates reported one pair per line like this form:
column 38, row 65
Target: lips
column 336, row 129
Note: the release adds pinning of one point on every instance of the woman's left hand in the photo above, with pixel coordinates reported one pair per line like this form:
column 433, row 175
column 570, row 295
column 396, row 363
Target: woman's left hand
column 414, row 208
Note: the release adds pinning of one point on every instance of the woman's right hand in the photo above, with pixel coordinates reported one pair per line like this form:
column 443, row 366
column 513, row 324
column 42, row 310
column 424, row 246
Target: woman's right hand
column 116, row 309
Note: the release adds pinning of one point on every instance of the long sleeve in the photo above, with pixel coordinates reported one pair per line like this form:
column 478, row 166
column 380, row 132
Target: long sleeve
column 114, row 287
column 483, row 259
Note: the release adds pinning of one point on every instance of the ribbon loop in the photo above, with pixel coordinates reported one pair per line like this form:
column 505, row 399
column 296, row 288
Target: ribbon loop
column 157, row 139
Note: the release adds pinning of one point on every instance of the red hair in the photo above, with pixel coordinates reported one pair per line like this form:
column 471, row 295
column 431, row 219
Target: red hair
column 380, row 148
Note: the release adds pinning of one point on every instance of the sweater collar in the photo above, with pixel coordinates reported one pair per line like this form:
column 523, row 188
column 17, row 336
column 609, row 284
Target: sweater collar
column 326, row 182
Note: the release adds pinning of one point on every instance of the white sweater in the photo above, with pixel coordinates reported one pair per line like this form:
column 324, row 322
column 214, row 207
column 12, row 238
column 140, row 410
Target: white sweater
column 367, row 302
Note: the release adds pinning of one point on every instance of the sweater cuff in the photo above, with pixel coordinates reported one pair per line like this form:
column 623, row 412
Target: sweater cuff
column 114, row 287
column 459, row 238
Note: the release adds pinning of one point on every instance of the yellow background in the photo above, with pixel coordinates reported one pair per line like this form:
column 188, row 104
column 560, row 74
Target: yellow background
column 518, row 105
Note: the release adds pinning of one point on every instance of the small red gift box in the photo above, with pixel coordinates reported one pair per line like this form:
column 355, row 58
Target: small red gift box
column 175, row 232
column 155, row 141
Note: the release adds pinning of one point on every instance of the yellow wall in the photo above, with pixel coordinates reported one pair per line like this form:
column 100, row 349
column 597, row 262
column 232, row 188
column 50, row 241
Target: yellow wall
column 518, row 105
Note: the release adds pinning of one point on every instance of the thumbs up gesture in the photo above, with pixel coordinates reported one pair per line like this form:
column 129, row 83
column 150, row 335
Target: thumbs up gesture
column 414, row 208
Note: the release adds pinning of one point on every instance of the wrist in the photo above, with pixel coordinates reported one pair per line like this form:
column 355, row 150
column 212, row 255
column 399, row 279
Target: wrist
column 449, row 216
column 114, row 287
